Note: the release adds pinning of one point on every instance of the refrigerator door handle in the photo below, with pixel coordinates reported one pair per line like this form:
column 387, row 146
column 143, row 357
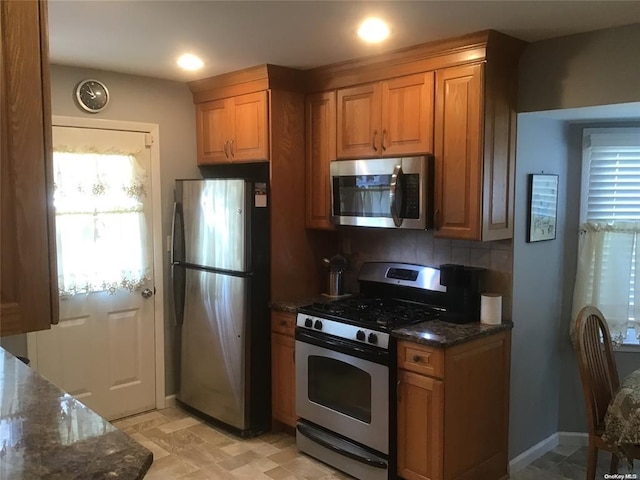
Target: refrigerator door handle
column 179, row 277
column 178, row 274
column 177, row 234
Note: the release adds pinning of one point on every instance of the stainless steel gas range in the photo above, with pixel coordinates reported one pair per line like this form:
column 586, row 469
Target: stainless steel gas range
column 345, row 367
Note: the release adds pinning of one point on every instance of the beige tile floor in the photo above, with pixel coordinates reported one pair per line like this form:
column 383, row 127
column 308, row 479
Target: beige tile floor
column 186, row 448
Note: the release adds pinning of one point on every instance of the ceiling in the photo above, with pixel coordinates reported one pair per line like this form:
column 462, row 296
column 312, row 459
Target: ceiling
column 145, row 37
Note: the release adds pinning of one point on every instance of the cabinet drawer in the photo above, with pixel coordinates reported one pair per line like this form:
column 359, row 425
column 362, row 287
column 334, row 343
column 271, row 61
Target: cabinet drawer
column 283, row 322
column 421, row 359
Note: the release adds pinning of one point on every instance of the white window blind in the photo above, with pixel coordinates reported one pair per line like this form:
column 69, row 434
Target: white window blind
column 610, row 224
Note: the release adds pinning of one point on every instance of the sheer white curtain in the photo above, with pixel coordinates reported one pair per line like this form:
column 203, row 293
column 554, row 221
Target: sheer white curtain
column 607, row 273
column 99, row 221
column 607, row 267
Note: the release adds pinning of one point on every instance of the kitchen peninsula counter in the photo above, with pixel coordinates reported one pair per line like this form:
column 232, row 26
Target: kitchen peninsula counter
column 45, row 433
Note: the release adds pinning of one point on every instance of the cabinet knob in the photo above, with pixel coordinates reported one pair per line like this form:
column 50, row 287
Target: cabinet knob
column 373, row 141
column 417, row 358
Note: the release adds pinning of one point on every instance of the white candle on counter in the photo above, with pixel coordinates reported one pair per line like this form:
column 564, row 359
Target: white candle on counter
column 491, row 308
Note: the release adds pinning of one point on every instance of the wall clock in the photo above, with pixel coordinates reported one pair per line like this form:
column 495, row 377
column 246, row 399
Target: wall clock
column 92, row 95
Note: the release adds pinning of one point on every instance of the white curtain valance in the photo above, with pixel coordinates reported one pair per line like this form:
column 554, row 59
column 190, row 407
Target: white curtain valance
column 100, row 224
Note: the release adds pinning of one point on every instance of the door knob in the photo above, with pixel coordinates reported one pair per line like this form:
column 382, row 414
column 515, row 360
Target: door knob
column 147, row 293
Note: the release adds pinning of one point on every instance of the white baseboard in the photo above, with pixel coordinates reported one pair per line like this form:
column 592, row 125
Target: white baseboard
column 578, row 439
column 169, row 401
column 535, row 452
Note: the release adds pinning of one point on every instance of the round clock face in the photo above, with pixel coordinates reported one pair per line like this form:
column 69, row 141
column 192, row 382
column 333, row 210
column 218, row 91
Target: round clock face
column 92, row 95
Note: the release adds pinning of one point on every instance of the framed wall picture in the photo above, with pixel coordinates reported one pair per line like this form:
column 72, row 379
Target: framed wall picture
column 543, row 207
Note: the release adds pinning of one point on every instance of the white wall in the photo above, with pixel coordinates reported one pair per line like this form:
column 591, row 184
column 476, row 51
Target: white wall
column 537, row 281
column 594, row 68
column 141, row 99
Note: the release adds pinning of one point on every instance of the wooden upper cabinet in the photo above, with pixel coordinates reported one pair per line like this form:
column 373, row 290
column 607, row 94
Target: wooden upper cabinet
column 407, row 113
column 249, row 121
column 457, row 152
column 388, row 118
column 359, row 121
column 212, row 132
column 475, row 152
column 28, row 278
column 320, row 138
column 233, row 129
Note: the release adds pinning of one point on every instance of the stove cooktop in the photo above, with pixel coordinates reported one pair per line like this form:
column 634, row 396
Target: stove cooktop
column 375, row 313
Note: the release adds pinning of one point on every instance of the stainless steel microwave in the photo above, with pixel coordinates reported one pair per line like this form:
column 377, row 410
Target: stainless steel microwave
column 384, row 192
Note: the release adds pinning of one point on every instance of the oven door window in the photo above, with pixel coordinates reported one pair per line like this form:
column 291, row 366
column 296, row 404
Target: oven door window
column 340, row 387
column 362, row 196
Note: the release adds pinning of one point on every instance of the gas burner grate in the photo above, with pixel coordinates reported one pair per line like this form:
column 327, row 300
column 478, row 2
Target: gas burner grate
column 376, row 313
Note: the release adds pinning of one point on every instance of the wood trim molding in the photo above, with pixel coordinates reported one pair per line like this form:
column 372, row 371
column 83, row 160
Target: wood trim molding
column 473, row 47
column 248, row 80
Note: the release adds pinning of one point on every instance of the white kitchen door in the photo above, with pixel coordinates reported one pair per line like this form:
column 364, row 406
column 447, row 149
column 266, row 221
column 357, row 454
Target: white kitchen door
column 102, row 350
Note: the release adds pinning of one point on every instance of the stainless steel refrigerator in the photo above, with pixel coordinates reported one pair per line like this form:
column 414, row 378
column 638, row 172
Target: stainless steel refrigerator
column 220, row 275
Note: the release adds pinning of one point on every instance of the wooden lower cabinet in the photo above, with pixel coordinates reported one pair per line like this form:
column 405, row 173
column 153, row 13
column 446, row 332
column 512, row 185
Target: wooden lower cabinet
column 420, row 418
column 454, row 424
column 283, row 381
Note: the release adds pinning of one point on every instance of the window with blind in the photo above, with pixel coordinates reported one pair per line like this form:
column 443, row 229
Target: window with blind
column 609, row 228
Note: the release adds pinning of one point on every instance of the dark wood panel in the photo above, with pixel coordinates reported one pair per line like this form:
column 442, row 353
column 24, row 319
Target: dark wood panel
column 294, row 260
column 320, row 139
column 29, row 287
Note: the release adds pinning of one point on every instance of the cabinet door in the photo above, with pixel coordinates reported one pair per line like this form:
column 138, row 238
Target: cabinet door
column 420, row 427
column 28, row 283
column 458, row 155
column 212, row 131
column 320, row 133
column 283, row 379
column 359, row 121
column 407, row 115
column 249, row 126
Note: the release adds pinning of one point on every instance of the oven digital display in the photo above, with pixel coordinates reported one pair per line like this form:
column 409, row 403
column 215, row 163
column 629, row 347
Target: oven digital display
column 340, row 387
column 402, row 274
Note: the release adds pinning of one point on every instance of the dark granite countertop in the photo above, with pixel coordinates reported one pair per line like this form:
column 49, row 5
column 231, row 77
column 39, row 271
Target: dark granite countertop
column 434, row 332
column 444, row 334
column 291, row 305
column 47, row 434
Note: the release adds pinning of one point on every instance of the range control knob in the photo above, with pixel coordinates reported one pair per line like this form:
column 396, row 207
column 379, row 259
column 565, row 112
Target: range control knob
column 360, row 335
column 373, row 338
column 317, row 325
column 308, row 323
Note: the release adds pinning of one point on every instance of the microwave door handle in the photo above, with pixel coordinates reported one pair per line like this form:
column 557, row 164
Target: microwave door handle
column 394, row 196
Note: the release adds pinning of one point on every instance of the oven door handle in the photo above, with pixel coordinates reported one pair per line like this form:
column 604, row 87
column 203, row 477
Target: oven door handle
column 372, row 462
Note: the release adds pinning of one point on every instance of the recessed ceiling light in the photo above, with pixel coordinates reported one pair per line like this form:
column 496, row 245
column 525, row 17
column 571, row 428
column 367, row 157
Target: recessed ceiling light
column 190, row 62
column 373, row 30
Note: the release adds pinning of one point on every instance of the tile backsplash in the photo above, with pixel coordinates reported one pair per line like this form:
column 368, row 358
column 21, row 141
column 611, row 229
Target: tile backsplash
column 361, row 245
